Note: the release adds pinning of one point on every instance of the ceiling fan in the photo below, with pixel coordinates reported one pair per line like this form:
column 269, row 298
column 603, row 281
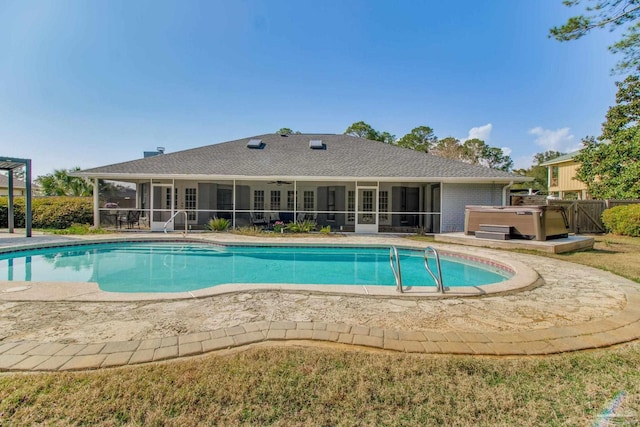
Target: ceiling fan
column 279, row 182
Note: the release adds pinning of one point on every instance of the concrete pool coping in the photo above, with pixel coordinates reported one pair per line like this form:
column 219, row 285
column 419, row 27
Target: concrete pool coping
column 621, row 327
column 523, row 278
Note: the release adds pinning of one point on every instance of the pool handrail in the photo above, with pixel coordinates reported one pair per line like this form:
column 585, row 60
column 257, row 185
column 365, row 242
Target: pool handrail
column 395, row 267
column 186, row 220
column 438, row 279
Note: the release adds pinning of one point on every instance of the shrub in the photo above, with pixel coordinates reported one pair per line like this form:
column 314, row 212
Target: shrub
column 80, row 229
column 49, row 212
column 624, row 220
column 326, row 229
column 301, row 226
column 250, row 230
column 278, row 227
column 218, row 224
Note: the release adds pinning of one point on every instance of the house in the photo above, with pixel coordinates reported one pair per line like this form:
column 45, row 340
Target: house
column 19, row 188
column 347, row 183
column 562, row 182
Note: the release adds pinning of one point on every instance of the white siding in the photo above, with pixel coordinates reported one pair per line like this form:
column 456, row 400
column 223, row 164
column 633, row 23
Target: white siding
column 456, row 196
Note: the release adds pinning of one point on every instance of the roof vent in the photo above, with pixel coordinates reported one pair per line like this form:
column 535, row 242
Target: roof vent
column 159, row 150
column 255, row 143
column 316, row 144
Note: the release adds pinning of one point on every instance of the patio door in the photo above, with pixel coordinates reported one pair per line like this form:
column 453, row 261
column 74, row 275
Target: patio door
column 366, row 210
column 163, row 200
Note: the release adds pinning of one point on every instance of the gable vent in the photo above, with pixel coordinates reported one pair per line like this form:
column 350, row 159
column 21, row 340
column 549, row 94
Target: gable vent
column 255, row 143
column 316, row 144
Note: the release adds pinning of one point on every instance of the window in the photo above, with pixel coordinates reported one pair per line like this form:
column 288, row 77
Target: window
column 367, row 205
column 351, row 205
column 258, row 204
column 331, row 204
column 190, row 203
column 308, row 201
column 168, row 199
column 555, row 172
column 291, row 200
column 275, row 200
column 383, row 201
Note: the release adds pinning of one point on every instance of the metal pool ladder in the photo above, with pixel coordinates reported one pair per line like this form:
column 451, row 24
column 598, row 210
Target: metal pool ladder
column 173, row 216
column 394, row 261
column 437, row 279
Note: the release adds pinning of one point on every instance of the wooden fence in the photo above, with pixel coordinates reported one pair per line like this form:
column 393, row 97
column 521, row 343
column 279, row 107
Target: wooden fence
column 585, row 216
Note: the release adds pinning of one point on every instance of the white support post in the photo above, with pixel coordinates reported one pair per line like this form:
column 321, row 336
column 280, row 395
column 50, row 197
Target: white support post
column 96, row 203
column 233, row 217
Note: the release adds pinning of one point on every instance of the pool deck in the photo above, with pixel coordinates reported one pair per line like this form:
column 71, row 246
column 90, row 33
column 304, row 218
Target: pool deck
column 42, row 355
column 554, row 246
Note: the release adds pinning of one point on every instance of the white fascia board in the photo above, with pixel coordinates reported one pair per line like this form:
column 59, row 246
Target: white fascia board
column 138, row 177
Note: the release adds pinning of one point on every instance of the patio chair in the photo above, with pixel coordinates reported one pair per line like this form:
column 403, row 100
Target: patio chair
column 133, row 218
column 273, row 217
column 121, row 218
column 258, row 219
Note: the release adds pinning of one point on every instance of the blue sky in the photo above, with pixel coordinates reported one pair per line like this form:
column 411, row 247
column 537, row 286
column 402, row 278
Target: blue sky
column 90, row 83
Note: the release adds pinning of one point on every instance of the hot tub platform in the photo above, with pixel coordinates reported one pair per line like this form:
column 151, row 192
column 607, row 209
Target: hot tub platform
column 555, row 246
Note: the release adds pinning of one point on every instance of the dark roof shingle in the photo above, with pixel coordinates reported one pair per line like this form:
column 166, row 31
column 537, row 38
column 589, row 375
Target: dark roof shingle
column 290, row 156
column 4, row 182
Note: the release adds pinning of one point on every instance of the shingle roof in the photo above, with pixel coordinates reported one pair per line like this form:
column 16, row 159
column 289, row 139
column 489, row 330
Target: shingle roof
column 4, row 182
column 290, row 156
column 560, row 159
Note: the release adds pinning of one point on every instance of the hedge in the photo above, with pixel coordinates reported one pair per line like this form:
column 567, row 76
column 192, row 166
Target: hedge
column 49, row 212
column 624, row 220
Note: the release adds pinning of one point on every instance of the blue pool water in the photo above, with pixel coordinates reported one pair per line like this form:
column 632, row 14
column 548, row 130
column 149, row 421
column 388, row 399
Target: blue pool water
column 175, row 267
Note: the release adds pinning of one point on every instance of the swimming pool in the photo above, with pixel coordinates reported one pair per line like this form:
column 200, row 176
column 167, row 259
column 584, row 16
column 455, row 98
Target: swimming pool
column 152, row 266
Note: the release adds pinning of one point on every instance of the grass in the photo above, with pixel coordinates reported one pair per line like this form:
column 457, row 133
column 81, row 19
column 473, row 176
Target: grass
column 290, row 386
column 618, row 254
column 316, row 386
column 77, row 229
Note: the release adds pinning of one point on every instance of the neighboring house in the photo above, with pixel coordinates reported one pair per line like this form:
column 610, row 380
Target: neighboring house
column 18, row 186
column 348, row 183
column 562, row 181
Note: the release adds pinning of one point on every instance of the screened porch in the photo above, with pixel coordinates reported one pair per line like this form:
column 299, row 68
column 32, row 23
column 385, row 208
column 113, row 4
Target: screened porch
column 356, row 206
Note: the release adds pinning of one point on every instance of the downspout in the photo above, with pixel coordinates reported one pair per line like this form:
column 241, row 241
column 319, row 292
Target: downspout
column 504, row 193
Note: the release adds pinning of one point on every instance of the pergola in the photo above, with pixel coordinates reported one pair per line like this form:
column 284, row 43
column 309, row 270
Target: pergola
column 10, row 164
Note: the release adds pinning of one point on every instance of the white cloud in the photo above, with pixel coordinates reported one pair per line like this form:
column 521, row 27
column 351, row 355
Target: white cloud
column 506, row 150
column 480, row 132
column 558, row 140
column 523, row 162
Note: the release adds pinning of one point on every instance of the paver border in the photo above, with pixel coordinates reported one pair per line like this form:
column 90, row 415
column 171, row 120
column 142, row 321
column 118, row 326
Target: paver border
column 36, row 356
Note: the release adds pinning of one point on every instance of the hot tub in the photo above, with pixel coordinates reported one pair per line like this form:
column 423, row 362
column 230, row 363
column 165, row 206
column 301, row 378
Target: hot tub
column 528, row 222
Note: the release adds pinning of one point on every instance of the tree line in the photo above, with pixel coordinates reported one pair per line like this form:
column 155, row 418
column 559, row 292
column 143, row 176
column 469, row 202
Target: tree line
column 422, row 138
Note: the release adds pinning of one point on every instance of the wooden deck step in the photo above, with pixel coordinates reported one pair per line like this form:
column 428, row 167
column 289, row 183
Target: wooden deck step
column 493, row 235
column 495, row 228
